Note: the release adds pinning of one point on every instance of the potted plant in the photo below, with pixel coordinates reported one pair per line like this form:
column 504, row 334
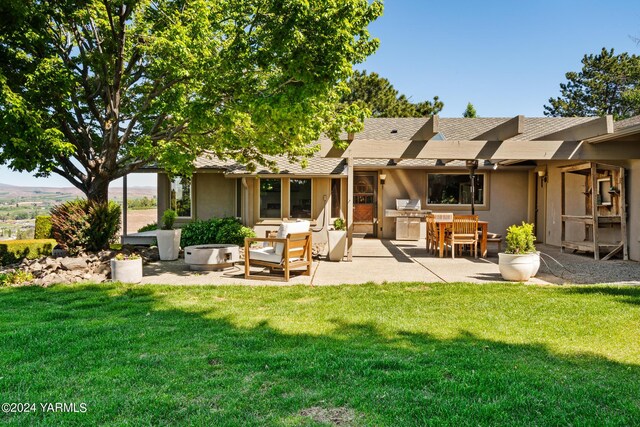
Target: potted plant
column 168, row 238
column 520, row 260
column 126, row 268
column 337, row 240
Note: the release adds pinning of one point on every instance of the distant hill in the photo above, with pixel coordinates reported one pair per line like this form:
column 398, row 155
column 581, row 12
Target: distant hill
column 8, row 191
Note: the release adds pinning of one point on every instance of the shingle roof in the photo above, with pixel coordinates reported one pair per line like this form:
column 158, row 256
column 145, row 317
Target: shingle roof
column 402, row 129
column 631, row 121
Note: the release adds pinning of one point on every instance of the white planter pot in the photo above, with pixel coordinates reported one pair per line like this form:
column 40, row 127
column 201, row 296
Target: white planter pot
column 515, row 267
column 536, row 263
column 126, row 270
column 337, row 241
column 168, row 244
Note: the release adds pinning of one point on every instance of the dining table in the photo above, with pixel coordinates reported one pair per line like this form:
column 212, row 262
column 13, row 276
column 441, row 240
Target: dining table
column 482, row 226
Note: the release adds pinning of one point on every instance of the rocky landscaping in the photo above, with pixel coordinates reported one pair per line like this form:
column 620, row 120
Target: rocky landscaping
column 85, row 267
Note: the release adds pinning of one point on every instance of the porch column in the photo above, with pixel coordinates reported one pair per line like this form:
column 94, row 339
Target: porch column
column 124, row 208
column 349, row 207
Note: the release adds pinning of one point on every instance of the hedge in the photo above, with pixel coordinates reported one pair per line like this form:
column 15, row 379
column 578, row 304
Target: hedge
column 12, row 251
column 43, row 227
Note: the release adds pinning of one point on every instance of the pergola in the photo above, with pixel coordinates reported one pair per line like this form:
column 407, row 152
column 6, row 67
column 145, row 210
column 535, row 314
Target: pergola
column 577, row 142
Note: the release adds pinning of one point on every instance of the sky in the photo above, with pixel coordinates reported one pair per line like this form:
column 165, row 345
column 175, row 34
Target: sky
column 505, row 57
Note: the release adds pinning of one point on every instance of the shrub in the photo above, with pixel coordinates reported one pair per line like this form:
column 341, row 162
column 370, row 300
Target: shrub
column 149, row 227
column 216, row 230
column 78, row 225
column 233, row 233
column 339, row 224
column 16, row 278
column 43, row 227
column 13, row 251
column 168, row 218
column 520, row 239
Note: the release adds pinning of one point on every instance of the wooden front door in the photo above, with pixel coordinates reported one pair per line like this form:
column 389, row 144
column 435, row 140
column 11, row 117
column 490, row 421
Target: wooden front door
column 365, row 202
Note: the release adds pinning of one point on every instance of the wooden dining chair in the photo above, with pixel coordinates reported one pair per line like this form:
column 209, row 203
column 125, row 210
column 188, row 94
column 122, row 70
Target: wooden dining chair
column 432, row 234
column 464, row 231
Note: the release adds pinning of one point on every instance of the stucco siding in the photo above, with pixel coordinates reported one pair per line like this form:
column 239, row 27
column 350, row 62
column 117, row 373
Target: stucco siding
column 215, row 196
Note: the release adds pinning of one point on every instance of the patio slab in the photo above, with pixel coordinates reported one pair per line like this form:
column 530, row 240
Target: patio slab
column 374, row 261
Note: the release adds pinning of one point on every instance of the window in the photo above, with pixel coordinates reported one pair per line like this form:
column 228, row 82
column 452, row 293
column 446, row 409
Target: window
column 180, row 198
column 454, row 189
column 270, row 198
column 300, row 198
column 335, row 198
column 239, row 198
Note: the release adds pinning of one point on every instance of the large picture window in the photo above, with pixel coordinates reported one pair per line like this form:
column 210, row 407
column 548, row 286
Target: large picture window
column 300, row 198
column 454, row 189
column 180, row 199
column 270, row 198
column 335, row 198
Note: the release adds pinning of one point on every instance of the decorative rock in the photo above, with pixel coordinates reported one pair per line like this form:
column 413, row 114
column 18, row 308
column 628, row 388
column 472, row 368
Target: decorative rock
column 73, row 263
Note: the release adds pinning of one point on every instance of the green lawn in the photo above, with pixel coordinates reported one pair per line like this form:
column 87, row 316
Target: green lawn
column 396, row 354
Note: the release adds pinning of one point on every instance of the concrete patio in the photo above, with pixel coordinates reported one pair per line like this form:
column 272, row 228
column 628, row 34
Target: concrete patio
column 380, row 261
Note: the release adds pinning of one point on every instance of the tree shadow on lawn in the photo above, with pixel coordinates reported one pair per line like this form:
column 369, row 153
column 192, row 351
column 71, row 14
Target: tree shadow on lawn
column 626, row 294
column 132, row 358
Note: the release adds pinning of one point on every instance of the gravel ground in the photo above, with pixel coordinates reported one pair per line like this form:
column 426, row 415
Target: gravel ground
column 581, row 268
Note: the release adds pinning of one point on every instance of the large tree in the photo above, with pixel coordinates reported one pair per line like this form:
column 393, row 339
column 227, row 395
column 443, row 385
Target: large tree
column 95, row 89
column 607, row 84
column 378, row 95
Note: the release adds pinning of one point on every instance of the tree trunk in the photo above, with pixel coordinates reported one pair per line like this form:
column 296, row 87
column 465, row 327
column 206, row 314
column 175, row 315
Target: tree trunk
column 98, row 191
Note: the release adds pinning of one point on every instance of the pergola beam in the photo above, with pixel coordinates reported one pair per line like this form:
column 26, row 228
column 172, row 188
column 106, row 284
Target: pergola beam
column 428, row 130
column 506, row 130
column 587, row 130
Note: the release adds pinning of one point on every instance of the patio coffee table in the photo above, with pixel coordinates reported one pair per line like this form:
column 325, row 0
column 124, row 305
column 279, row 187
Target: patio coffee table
column 211, row 257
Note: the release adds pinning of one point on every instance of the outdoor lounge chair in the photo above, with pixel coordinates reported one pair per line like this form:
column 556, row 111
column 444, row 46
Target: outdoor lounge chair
column 464, row 231
column 293, row 239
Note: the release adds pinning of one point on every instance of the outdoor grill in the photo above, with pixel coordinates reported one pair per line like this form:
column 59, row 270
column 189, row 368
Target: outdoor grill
column 407, row 215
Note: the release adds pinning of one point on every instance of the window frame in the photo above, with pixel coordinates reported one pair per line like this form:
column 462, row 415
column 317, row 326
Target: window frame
column 485, row 194
column 311, row 180
column 261, row 218
column 191, row 197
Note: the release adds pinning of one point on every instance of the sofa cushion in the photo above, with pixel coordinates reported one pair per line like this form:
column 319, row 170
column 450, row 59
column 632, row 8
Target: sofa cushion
column 265, row 254
column 287, row 228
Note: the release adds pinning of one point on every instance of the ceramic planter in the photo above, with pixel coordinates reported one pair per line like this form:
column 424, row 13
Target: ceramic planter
column 168, row 244
column 516, row 267
column 536, row 263
column 126, row 270
column 337, row 241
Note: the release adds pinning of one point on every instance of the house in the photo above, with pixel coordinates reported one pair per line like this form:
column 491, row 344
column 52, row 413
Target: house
column 528, row 169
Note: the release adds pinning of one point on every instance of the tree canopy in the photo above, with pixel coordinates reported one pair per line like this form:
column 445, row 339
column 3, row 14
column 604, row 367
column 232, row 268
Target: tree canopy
column 377, row 94
column 607, row 84
column 95, row 89
column 470, row 111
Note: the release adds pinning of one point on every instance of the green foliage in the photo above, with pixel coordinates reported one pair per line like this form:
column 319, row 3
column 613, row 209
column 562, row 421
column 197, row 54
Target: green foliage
column 142, row 203
column 104, row 224
column 93, row 90
column 12, row 251
column 18, row 277
column 339, row 224
column 168, row 219
column 81, row 225
column 215, row 230
column 520, row 239
column 149, row 227
column 470, row 111
column 43, row 227
column 607, row 84
column 126, row 257
column 381, row 99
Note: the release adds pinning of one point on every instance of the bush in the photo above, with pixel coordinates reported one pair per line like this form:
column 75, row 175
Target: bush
column 43, row 227
column 149, row 227
column 79, row 225
column 168, row 218
column 216, row 230
column 339, row 224
column 520, row 239
column 16, row 278
column 13, row 251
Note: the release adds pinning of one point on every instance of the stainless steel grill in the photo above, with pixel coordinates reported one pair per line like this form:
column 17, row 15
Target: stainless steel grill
column 408, row 214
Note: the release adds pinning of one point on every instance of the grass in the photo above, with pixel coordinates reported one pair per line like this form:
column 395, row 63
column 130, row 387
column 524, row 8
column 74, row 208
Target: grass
column 397, row 354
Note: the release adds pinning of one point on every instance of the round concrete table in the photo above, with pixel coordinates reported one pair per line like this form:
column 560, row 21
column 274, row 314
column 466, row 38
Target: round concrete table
column 211, row 257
